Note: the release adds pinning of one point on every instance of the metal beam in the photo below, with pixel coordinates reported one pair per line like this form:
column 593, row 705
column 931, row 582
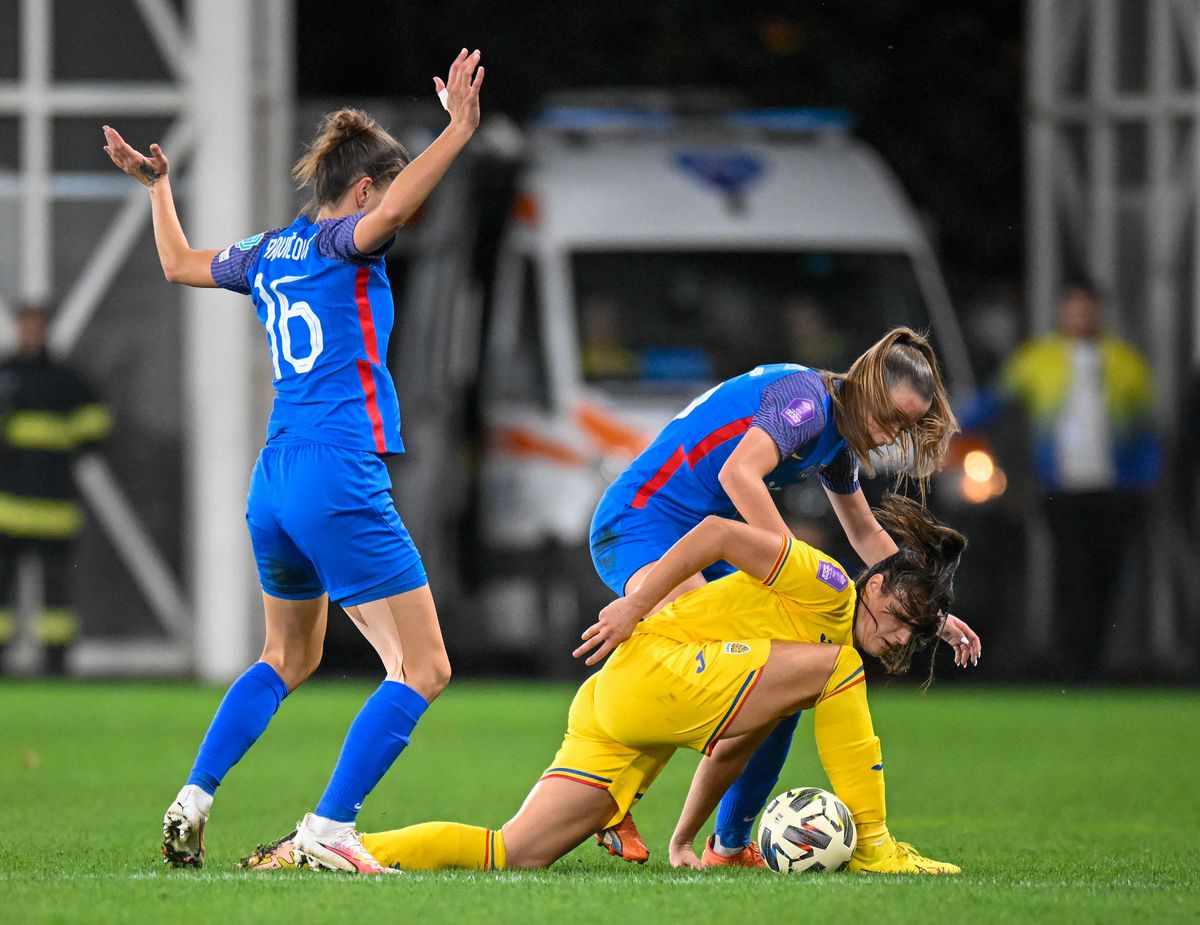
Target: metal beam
column 218, row 335
column 92, row 98
column 167, row 31
column 133, row 544
column 36, row 232
column 110, row 255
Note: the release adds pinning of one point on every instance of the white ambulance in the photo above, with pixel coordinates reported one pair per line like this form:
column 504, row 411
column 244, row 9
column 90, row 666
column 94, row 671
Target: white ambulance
column 650, row 255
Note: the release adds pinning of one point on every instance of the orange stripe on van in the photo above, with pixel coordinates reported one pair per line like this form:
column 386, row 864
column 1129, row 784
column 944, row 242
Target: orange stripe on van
column 525, row 443
column 609, row 433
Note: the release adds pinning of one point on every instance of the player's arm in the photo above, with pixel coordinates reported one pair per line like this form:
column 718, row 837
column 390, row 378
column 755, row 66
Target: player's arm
column 742, row 476
column 416, row 181
column 873, row 544
column 750, row 549
column 714, row 775
column 869, row 539
column 180, row 262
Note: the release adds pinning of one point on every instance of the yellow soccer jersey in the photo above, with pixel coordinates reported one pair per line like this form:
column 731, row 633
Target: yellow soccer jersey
column 806, row 598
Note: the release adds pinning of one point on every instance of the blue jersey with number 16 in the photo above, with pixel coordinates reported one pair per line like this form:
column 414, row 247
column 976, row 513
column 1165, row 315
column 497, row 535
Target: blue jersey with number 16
column 327, row 309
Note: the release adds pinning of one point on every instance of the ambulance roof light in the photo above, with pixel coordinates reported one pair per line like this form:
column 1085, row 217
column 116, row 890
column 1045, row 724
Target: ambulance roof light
column 582, row 119
column 791, row 120
column 603, row 118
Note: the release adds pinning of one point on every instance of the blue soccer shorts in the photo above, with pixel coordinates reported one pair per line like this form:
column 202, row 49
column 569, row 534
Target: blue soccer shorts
column 321, row 519
column 623, row 539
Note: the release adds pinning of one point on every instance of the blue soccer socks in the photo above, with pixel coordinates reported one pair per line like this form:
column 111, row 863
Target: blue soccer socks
column 746, row 797
column 376, row 738
column 241, row 718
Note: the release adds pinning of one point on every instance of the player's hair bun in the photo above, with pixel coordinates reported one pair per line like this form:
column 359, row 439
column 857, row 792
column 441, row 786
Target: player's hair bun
column 349, row 145
column 347, row 123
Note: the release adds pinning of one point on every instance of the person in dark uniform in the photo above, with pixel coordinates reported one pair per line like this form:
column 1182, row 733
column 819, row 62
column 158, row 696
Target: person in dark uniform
column 49, row 414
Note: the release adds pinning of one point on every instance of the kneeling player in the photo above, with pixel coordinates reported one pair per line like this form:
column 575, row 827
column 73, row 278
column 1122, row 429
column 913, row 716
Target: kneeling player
column 715, row 671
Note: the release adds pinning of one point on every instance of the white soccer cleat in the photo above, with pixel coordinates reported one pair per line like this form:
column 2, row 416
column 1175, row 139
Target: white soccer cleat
column 183, row 828
column 326, row 845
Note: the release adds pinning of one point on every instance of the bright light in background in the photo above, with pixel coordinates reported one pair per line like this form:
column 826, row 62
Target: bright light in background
column 982, row 478
column 978, row 466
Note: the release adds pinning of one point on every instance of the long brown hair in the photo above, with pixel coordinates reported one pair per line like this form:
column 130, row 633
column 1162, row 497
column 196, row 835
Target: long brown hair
column 349, row 144
column 900, row 356
column 919, row 575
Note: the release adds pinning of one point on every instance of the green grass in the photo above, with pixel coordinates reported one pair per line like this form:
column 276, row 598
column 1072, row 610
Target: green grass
column 1077, row 806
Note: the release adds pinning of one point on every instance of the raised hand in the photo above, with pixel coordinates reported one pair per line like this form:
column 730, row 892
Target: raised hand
column 146, row 170
column 461, row 87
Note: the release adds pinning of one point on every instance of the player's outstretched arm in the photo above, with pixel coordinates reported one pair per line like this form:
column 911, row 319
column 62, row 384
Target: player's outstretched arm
column 416, row 181
column 714, row 775
column 180, row 263
column 747, row 548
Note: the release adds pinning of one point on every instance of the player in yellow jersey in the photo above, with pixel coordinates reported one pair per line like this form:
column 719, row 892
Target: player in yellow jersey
column 715, row 671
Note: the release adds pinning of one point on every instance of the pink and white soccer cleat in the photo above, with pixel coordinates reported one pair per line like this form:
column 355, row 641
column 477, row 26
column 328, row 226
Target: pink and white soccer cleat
column 326, row 845
column 277, row 855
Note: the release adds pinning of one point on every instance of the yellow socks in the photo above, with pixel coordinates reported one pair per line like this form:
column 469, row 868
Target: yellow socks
column 849, row 748
column 435, row 845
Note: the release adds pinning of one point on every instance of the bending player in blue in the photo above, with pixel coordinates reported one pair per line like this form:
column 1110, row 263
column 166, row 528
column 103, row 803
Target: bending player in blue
column 319, row 509
column 769, row 428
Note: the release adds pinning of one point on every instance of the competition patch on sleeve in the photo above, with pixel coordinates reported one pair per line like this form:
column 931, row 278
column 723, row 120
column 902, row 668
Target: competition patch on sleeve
column 833, row 576
column 800, row 411
column 247, row 244
column 224, row 255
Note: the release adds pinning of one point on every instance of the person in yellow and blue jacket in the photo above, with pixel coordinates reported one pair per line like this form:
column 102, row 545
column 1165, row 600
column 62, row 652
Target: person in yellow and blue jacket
column 1089, row 398
column 48, row 415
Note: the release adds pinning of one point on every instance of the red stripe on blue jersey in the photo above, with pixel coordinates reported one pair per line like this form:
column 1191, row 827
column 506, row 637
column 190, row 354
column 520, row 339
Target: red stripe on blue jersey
column 693, row 456
column 365, row 372
column 365, row 319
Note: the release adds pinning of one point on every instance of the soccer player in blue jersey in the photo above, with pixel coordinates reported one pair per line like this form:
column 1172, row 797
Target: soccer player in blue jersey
column 319, row 509
column 723, row 454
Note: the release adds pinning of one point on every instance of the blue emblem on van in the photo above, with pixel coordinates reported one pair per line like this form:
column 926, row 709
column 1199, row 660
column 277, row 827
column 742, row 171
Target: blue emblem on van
column 729, row 172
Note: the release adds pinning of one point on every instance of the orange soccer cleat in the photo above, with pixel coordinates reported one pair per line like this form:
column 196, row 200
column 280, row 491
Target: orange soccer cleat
column 749, row 856
column 624, row 841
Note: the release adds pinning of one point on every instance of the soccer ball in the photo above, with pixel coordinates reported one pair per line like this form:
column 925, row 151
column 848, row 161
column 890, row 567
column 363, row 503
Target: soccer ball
column 806, row 831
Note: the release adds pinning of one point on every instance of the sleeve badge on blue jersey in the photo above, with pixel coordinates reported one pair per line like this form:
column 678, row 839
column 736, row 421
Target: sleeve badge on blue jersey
column 833, row 576
column 800, row 411
column 224, row 255
column 248, row 243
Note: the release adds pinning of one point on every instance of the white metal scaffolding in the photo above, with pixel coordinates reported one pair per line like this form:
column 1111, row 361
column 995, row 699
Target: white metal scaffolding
column 1113, row 184
column 229, row 92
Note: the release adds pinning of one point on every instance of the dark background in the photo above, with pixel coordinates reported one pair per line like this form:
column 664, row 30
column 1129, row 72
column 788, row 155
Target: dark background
column 935, row 86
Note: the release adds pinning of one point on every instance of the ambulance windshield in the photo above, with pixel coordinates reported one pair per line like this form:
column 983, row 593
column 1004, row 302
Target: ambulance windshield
column 662, row 319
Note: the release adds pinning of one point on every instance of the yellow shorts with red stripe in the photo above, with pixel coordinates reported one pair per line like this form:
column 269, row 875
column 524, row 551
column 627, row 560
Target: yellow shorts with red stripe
column 654, row 695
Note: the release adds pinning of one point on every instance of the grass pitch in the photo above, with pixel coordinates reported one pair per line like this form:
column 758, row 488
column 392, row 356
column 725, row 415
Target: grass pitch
column 1075, row 806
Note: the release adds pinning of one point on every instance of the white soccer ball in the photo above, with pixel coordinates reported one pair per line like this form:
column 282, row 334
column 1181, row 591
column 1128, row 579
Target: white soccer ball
column 806, row 830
